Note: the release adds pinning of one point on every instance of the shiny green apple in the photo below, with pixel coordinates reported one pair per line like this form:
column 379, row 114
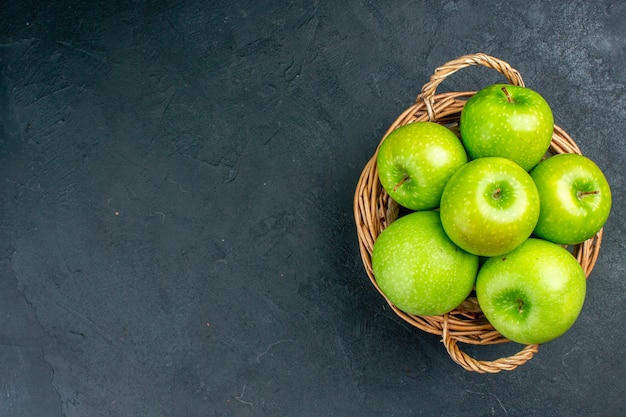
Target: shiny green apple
column 415, row 161
column 489, row 206
column 508, row 121
column 419, row 269
column 533, row 294
column 575, row 198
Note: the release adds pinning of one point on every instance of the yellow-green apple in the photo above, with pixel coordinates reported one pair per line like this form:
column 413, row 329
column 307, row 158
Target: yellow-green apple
column 416, row 160
column 419, row 269
column 533, row 294
column 489, row 206
column 508, row 121
column 575, row 198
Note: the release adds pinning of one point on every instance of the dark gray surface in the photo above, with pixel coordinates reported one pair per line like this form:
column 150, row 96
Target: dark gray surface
column 176, row 222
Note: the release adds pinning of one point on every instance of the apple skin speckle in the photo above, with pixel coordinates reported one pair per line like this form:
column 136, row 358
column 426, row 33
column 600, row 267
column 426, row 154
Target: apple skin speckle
column 478, row 222
column 415, row 161
column 521, row 131
column 419, row 269
column 536, row 295
column 567, row 217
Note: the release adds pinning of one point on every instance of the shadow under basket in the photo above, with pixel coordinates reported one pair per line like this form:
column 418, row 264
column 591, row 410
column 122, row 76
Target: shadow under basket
column 374, row 210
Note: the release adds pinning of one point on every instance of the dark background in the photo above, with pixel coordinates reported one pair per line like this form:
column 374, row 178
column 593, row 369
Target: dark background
column 176, row 231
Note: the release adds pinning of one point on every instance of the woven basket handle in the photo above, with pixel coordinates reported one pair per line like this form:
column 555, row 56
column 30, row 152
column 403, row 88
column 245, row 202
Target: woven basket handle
column 495, row 366
column 428, row 90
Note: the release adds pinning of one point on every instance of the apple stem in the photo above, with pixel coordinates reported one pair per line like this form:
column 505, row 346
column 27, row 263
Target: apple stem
column 402, row 181
column 507, row 94
column 582, row 194
column 497, row 193
column 520, row 305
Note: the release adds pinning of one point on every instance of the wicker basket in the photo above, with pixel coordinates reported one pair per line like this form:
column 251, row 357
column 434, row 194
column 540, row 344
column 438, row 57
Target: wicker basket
column 374, row 210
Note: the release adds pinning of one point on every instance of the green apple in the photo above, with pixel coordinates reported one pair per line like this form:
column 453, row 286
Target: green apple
column 575, row 198
column 416, row 160
column 508, row 121
column 489, row 206
column 419, row 269
column 533, row 294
